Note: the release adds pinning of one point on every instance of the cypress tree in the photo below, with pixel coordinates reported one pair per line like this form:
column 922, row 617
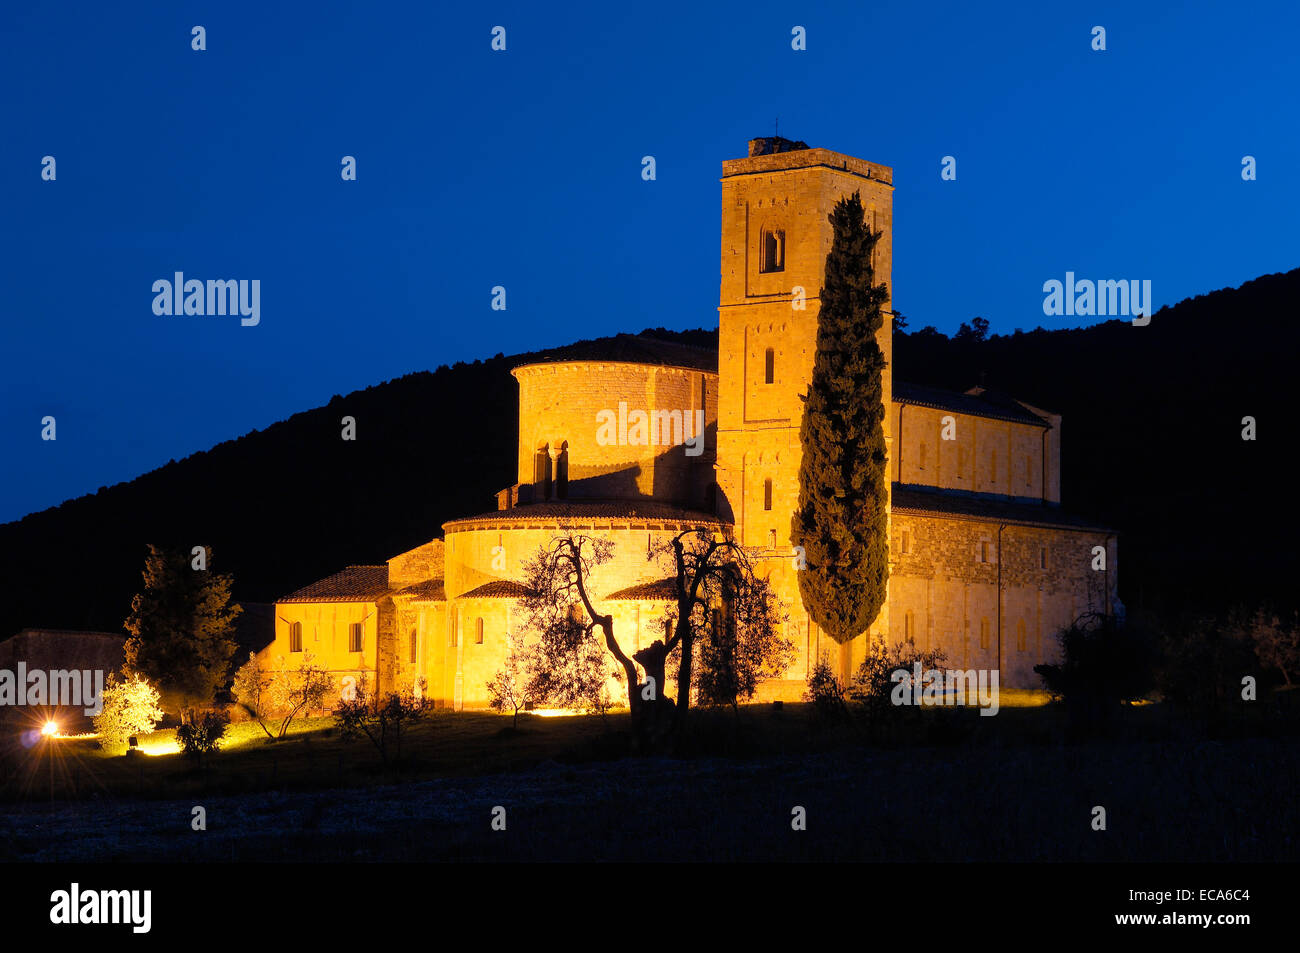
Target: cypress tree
column 841, row 518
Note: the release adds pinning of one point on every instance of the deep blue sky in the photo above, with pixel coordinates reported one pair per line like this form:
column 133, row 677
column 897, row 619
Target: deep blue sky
column 522, row 169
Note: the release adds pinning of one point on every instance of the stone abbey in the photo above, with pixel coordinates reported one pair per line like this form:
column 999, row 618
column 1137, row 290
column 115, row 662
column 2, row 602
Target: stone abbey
column 985, row 564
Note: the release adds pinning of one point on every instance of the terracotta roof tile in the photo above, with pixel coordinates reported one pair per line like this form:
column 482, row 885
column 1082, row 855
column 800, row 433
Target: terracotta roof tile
column 431, row 590
column 354, row 584
column 496, row 589
column 991, row 509
column 658, row 590
column 985, row 403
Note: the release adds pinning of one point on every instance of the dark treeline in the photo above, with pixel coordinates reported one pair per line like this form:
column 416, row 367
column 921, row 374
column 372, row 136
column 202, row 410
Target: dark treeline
column 1151, row 444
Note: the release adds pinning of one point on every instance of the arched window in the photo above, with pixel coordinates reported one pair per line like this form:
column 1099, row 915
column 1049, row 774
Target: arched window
column 478, row 631
column 542, row 473
column 769, row 366
column 295, row 636
column 562, row 472
column 772, row 252
column 767, row 494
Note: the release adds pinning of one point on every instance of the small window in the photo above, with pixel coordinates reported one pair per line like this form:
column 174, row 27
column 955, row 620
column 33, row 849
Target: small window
column 1020, row 635
column 984, row 551
column 909, row 626
column 773, row 251
column 905, row 542
column 984, row 634
column 771, row 539
column 478, row 632
column 1042, row 557
column 769, row 366
column 354, row 637
column 295, row 636
column 767, row 494
column 413, row 646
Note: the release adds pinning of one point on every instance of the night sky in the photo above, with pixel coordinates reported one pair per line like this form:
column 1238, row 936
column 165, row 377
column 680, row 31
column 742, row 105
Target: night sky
column 523, row 169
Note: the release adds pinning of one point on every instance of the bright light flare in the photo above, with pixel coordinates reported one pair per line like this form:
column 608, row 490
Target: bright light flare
column 50, row 729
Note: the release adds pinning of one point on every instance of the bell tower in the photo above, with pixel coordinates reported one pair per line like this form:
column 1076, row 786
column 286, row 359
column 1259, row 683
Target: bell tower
column 775, row 237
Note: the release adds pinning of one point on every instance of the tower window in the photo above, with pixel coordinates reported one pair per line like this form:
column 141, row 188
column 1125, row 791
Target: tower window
column 769, row 366
column 478, row 632
column 1042, row 557
column 413, row 645
column 354, row 637
column 767, row 494
column 542, row 472
column 984, row 634
column 295, row 636
column 562, row 472
column 905, row 543
column 773, row 251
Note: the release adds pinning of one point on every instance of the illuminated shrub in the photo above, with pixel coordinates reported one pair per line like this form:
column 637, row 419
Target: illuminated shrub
column 130, row 707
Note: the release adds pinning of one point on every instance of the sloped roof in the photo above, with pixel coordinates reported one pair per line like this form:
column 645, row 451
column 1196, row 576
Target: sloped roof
column 955, row 506
column 658, row 590
column 978, row 402
column 497, row 589
column 579, row 512
column 354, row 584
column 632, row 349
column 430, row 590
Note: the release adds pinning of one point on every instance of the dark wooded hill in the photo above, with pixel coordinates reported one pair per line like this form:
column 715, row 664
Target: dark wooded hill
column 1151, row 444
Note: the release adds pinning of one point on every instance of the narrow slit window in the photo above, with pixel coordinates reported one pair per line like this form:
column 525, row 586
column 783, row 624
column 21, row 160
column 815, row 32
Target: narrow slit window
column 769, row 366
column 767, row 494
column 478, row 632
column 773, row 251
column 295, row 636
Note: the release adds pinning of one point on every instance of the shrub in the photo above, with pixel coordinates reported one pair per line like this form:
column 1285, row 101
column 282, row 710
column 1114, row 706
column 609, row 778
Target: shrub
column 129, row 707
column 825, row 692
column 1104, row 662
column 874, row 683
column 202, row 735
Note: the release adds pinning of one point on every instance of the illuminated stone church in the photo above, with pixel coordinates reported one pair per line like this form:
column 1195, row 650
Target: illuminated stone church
column 985, row 565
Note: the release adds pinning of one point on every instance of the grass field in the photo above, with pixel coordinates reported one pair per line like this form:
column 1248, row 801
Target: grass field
column 462, row 744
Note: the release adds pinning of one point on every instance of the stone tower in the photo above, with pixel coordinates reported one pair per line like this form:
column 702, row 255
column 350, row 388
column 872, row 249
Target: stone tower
column 775, row 238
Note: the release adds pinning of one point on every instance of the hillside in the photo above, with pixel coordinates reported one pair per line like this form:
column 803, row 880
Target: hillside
column 1151, row 443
